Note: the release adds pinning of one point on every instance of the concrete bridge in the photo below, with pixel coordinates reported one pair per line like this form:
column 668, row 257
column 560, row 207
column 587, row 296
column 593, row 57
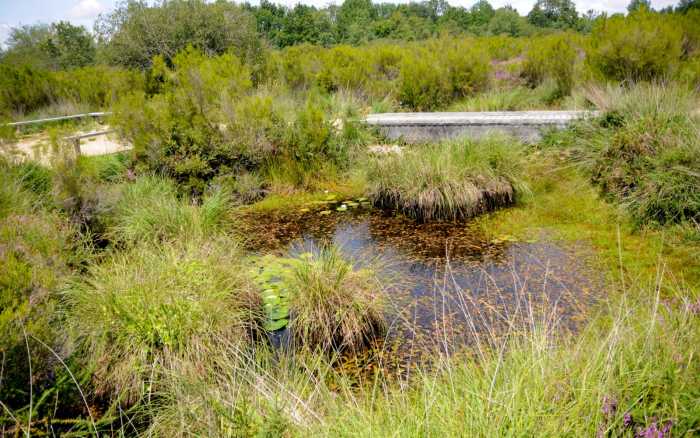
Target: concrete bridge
column 423, row 127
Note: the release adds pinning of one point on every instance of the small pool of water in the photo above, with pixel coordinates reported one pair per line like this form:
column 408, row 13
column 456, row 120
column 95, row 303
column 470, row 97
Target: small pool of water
column 447, row 284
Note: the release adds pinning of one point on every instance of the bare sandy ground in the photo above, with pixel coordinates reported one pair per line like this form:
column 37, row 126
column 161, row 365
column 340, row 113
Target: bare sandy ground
column 38, row 147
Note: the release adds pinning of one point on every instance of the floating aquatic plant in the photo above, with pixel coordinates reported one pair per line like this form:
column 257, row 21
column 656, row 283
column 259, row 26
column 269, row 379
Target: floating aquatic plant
column 324, row 299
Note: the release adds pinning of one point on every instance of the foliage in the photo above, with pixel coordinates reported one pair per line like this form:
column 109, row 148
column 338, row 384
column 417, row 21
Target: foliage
column 57, row 46
column 560, row 14
column 632, row 372
column 37, row 254
column 641, row 46
column 328, row 301
column 140, row 311
column 453, row 180
column 135, row 32
column 553, row 58
column 644, row 152
column 149, row 210
column 431, row 78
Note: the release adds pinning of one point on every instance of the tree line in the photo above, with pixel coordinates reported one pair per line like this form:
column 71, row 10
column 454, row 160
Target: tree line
column 136, row 31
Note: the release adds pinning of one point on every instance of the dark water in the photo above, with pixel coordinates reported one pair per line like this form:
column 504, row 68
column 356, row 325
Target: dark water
column 447, row 284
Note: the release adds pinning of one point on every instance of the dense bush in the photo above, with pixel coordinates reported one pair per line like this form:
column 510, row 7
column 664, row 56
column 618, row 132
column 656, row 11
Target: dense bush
column 645, row 152
column 24, row 88
column 436, row 75
column 37, row 255
column 136, row 32
column 642, row 46
column 208, row 121
column 552, row 58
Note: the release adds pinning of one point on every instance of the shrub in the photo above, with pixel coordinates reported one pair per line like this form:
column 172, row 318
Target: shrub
column 141, row 311
column 641, row 46
column 551, row 58
column 23, row 88
column 36, row 254
column 454, row 180
column 180, row 132
column 647, row 153
column 327, row 300
column 423, row 85
column 434, row 76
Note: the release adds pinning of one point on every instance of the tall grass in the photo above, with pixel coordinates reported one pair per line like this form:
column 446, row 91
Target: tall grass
column 149, row 209
column 330, row 301
column 645, row 151
column 453, row 180
column 633, row 370
column 140, row 310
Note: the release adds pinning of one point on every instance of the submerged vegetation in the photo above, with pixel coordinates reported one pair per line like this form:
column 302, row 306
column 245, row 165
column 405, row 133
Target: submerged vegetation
column 130, row 304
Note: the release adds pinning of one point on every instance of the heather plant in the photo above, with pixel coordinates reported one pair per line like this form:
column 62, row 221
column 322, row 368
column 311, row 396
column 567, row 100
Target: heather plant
column 39, row 248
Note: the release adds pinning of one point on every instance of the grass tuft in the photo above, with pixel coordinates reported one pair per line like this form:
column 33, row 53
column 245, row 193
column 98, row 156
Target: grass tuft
column 453, row 180
column 150, row 209
column 142, row 309
column 331, row 302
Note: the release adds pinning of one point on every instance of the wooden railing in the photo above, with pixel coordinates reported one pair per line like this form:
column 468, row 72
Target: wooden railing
column 58, row 119
column 75, row 139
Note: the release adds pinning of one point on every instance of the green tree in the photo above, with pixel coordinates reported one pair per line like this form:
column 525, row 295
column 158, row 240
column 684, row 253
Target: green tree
column 686, row 5
column 305, row 24
column 70, row 46
column 137, row 31
column 354, row 19
column 481, row 13
column 55, row 46
column 636, row 5
column 507, row 21
column 559, row 14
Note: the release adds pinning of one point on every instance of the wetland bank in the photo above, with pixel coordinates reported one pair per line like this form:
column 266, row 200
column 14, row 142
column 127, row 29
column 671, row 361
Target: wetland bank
column 260, row 263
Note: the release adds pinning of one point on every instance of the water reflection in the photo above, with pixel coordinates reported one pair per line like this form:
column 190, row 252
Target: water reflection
column 447, row 285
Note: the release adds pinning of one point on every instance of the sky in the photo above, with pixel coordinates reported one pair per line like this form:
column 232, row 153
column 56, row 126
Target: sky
column 83, row 12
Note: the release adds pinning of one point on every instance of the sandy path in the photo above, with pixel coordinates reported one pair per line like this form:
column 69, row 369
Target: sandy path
column 38, row 147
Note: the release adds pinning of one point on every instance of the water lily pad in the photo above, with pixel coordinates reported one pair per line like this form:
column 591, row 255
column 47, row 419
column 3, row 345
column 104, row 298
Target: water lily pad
column 324, row 212
column 342, row 208
column 279, row 324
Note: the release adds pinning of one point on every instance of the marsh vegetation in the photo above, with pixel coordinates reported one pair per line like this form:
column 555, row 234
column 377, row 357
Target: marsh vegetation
column 251, row 268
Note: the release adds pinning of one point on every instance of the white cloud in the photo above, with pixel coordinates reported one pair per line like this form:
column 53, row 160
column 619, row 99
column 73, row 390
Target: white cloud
column 86, row 10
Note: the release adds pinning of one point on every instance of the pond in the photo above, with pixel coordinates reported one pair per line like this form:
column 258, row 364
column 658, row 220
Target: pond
column 447, row 284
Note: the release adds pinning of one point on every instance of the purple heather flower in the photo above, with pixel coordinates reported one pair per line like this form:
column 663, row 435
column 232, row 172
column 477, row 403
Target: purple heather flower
column 694, row 308
column 653, row 431
column 609, row 407
column 627, row 420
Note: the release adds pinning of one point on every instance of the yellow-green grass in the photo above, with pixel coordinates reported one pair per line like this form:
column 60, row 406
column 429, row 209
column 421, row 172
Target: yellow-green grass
column 453, row 180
